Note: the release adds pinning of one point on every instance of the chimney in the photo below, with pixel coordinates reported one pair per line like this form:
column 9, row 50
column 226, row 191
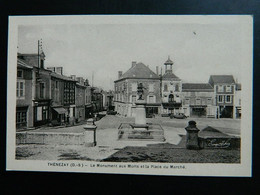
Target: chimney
column 73, row 77
column 133, row 63
column 59, row 70
column 120, row 73
column 157, row 70
column 51, row 68
column 86, row 82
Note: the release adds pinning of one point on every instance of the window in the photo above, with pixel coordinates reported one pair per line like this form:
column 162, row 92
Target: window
column 171, row 98
column 228, row 99
column 228, row 88
column 134, row 86
column 220, row 88
column 19, row 74
column 56, row 84
column 42, row 90
column 151, row 99
column 198, row 101
column 220, row 99
column 151, row 87
column 44, row 112
column 39, row 113
column 209, row 101
column 133, row 98
column 187, row 101
column 20, row 89
column 21, row 118
column 239, row 102
column 177, row 87
column 165, row 87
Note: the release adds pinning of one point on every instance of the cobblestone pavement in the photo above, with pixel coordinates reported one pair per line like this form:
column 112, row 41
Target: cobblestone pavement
column 107, row 142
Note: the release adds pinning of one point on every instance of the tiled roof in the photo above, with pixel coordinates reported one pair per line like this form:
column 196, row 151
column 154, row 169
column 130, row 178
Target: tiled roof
column 139, row 71
column 171, row 76
column 197, row 87
column 221, row 79
column 23, row 64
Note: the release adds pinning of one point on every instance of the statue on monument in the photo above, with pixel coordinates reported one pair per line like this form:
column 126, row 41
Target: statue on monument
column 140, row 91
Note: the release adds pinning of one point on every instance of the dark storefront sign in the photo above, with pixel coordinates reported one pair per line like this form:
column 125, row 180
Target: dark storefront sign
column 217, row 143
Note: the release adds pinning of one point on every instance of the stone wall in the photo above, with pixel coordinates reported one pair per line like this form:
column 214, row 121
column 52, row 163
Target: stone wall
column 49, row 138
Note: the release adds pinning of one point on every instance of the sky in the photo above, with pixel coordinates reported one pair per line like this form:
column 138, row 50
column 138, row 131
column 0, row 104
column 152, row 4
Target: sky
column 197, row 50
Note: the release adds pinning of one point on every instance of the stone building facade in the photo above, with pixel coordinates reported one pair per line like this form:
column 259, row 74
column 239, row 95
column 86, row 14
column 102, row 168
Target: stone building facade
column 24, row 87
column 167, row 94
column 171, row 90
column 198, row 100
column 126, row 90
column 224, row 89
column 80, row 99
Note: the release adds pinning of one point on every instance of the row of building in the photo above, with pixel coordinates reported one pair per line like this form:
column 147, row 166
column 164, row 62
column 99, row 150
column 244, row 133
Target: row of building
column 166, row 93
column 46, row 96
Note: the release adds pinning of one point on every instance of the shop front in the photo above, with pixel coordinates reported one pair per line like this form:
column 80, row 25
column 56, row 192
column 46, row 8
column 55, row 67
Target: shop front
column 88, row 111
column 21, row 117
column 171, row 108
column 41, row 112
column 58, row 116
column 198, row 111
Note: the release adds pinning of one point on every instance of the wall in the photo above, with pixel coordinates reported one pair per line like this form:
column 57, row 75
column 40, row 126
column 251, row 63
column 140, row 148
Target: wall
column 80, row 102
column 27, row 99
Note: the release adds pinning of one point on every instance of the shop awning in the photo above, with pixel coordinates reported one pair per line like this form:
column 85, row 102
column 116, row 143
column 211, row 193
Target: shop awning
column 60, row 110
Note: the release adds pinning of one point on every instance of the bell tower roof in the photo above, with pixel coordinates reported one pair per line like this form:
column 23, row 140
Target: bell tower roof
column 168, row 62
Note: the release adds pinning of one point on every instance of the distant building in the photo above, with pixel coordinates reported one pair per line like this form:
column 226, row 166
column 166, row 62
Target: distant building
column 198, row 100
column 24, row 87
column 41, row 97
column 224, row 88
column 237, row 102
column 171, row 90
column 80, row 99
column 96, row 99
column 59, row 109
column 108, row 102
column 88, row 101
column 126, row 90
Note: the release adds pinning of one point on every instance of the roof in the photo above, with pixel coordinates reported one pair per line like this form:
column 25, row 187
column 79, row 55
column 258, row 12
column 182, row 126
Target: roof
column 212, row 133
column 139, row 71
column 23, row 64
column 197, row 87
column 62, row 77
column 31, row 54
column 221, row 79
column 170, row 76
column 80, row 85
column 168, row 61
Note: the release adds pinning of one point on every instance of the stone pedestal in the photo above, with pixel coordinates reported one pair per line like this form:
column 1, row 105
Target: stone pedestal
column 140, row 116
column 90, row 133
column 192, row 140
column 140, row 130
